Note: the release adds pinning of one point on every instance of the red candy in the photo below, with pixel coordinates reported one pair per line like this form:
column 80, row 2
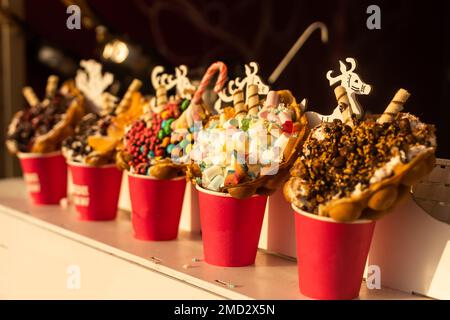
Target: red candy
column 288, row 127
column 142, row 138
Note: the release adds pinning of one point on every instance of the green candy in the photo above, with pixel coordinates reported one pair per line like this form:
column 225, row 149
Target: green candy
column 161, row 134
column 169, row 122
column 166, row 127
column 185, row 104
column 245, row 124
column 170, row 148
column 167, row 130
column 234, row 122
column 183, row 143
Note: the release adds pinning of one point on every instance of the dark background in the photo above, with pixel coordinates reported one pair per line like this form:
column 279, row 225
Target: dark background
column 411, row 50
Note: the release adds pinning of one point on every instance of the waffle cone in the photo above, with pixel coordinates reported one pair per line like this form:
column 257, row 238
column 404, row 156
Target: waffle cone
column 268, row 184
column 378, row 198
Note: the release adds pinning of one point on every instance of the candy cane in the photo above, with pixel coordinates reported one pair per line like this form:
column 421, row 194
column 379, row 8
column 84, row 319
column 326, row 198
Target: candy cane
column 218, row 66
column 194, row 111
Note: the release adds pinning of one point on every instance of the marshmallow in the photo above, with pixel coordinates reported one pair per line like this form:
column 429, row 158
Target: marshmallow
column 282, row 142
column 285, row 116
column 263, row 114
column 253, row 151
column 272, row 99
column 267, row 156
column 212, row 172
column 216, row 183
column 240, row 141
column 273, row 117
column 219, row 158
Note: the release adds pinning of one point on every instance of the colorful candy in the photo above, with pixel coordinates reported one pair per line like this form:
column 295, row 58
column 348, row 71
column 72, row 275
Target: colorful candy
column 151, row 140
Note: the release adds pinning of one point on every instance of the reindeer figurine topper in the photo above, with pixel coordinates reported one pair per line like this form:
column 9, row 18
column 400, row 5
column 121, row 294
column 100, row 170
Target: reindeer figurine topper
column 251, row 78
column 94, row 84
column 352, row 83
column 180, row 81
column 163, row 82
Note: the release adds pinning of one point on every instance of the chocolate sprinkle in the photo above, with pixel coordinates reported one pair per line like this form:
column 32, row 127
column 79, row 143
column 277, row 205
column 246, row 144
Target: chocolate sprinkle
column 347, row 156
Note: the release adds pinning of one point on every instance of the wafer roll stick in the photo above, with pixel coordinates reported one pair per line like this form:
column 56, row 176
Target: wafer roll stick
column 253, row 99
column 108, row 103
column 161, row 99
column 239, row 106
column 52, row 85
column 344, row 104
column 395, row 106
column 30, row 96
column 133, row 87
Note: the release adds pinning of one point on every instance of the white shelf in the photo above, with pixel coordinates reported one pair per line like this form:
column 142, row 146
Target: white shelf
column 271, row 277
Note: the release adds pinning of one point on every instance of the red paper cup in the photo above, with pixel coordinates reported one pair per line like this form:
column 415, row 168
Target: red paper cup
column 156, row 206
column 331, row 255
column 95, row 191
column 45, row 175
column 230, row 227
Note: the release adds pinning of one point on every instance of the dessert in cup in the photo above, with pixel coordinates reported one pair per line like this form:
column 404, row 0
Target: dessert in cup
column 156, row 182
column 357, row 168
column 91, row 151
column 352, row 171
column 35, row 135
column 241, row 156
column 249, row 149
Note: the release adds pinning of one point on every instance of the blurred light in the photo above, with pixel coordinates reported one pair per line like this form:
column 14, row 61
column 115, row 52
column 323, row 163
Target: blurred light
column 57, row 60
column 117, row 51
column 101, row 33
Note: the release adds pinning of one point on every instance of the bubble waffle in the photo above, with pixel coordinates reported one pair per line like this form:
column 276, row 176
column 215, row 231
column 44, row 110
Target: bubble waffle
column 360, row 169
column 97, row 136
column 149, row 143
column 282, row 122
column 165, row 133
column 43, row 126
